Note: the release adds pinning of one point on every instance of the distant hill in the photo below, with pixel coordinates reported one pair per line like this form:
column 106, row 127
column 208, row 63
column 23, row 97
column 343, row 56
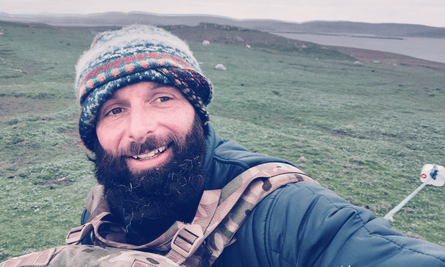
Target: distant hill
column 317, row 27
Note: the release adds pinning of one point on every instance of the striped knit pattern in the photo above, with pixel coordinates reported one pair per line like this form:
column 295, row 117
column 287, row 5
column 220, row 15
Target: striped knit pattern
column 136, row 53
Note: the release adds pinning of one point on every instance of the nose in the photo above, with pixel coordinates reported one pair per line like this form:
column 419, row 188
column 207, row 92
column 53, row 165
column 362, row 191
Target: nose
column 141, row 124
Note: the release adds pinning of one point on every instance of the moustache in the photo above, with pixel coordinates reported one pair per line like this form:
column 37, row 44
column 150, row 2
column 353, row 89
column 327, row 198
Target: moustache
column 151, row 143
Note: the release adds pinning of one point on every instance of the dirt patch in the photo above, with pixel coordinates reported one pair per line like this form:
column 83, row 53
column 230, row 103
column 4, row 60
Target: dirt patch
column 57, row 182
column 13, row 107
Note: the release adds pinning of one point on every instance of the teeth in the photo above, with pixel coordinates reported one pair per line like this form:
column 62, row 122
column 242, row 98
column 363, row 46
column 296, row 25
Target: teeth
column 151, row 154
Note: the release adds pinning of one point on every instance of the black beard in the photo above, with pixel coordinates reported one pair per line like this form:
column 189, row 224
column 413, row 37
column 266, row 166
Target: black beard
column 148, row 203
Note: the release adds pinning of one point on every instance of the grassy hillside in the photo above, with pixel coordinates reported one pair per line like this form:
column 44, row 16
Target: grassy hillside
column 363, row 131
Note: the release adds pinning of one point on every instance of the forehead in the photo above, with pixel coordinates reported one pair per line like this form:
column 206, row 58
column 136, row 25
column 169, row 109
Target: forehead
column 142, row 88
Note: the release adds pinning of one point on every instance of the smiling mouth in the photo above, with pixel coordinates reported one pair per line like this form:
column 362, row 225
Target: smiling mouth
column 151, row 154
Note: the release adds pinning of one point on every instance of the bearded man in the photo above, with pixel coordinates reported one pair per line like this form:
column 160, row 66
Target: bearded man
column 143, row 100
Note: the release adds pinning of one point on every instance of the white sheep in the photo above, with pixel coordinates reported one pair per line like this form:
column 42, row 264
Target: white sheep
column 220, row 67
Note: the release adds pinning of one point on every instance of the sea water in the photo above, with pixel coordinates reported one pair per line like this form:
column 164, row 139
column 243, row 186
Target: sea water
column 432, row 49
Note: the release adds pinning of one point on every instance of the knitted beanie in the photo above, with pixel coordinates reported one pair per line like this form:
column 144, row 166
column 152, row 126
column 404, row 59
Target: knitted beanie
column 133, row 54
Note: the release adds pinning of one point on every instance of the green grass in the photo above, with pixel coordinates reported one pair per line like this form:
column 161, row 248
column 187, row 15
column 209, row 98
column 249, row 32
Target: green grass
column 362, row 131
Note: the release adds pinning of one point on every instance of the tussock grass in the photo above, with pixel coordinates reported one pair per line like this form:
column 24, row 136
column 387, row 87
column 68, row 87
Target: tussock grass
column 362, row 131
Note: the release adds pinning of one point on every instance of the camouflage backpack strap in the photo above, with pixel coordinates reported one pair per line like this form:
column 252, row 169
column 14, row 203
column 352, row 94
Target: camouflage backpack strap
column 221, row 213
column 96, row 205
column 102, row 227
column 86, row 255
column 105, row 231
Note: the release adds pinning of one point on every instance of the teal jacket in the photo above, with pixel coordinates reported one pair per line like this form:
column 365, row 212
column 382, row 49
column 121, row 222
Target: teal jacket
column 304, row 224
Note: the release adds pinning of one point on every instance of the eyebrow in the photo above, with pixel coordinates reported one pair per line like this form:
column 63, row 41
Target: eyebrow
column 156, row 86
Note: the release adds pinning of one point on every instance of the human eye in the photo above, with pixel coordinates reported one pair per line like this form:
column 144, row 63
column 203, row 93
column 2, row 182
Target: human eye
column 114, row 111
column 163, row 99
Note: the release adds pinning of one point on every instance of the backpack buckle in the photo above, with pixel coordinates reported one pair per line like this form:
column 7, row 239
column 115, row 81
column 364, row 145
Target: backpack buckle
column 187, row 240
column 78, row 233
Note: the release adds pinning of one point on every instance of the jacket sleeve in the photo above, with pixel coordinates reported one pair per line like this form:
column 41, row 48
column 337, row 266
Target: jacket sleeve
column 304, row 224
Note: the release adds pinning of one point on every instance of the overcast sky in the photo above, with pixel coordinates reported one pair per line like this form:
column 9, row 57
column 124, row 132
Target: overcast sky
column 425, row 12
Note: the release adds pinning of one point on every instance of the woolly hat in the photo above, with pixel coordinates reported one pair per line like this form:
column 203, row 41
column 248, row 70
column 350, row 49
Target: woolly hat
column 130, row 55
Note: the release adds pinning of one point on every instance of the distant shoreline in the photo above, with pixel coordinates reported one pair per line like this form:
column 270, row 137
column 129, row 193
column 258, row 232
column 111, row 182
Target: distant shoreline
column 339, row 34
column 371, row 56
column 427, row 49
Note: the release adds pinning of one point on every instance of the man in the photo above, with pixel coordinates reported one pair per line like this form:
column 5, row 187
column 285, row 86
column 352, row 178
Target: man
column 143, row 105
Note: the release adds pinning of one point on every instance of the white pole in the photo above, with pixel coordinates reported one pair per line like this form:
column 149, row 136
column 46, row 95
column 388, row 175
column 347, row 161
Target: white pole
column 389, row 217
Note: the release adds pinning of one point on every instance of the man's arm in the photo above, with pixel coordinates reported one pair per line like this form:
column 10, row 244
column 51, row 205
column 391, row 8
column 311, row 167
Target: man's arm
column 304, row 224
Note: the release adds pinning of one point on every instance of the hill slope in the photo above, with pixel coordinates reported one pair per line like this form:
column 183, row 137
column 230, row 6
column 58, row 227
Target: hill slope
column 329, row 27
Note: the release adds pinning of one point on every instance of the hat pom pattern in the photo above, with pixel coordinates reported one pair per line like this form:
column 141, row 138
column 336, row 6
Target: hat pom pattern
column 134, row 54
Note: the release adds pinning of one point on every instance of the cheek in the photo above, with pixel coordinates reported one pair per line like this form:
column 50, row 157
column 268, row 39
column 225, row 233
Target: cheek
column 108, row 137
column 184, row 120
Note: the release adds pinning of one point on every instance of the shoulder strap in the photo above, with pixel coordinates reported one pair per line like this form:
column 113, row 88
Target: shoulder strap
column 96, row 205
column 95, row 202
column 236, row 199
column 219, row 215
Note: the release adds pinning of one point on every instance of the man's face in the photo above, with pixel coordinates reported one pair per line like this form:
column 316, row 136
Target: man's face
column 149, row 156
column 140, row 112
